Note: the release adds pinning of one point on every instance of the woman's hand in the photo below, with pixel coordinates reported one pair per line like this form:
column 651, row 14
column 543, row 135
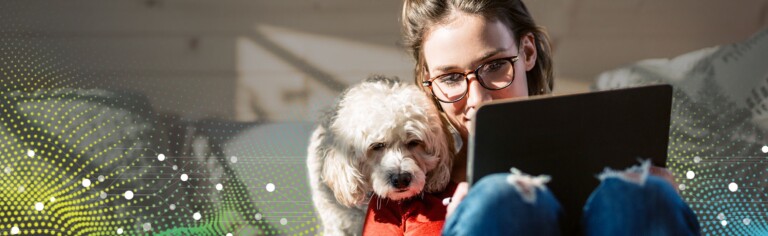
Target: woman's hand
column 458, row 195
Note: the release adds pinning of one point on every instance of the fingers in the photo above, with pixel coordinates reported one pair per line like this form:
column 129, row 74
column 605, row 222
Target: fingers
column 458, row 196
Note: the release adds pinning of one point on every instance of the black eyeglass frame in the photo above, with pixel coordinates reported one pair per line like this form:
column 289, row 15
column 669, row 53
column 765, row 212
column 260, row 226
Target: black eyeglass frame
column 512, row 60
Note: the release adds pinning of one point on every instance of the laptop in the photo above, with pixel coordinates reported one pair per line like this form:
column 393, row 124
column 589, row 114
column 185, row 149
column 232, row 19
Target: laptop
column 571, row 138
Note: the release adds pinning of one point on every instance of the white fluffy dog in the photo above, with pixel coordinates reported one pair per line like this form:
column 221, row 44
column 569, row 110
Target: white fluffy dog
column 383, row 137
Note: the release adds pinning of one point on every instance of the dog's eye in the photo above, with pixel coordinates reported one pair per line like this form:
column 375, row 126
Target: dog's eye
column 414, row 143
column 377, row 146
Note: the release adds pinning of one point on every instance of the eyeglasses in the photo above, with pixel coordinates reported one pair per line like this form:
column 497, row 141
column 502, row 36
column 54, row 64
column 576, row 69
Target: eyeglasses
column 493, row 75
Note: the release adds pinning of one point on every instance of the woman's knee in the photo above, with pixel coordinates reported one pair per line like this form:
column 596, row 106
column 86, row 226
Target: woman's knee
column 514, row 203
column 652, row 204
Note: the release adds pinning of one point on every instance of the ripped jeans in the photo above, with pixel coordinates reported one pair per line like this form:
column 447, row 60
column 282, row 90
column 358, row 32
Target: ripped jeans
column 623, row 204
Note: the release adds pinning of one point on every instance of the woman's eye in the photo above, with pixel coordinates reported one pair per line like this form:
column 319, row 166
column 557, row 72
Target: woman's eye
column 493, row 66
column 451, row 79
column 377, row 146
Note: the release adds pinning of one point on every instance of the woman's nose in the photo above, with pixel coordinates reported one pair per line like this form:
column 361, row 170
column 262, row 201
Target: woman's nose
column 476, row 93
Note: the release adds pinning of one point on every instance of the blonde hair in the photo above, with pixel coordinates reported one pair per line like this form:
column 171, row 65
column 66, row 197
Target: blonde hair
column 419, row 15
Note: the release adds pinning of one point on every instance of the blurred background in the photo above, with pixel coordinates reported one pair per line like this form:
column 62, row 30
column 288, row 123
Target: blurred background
column 192, row 117
column 286, row 60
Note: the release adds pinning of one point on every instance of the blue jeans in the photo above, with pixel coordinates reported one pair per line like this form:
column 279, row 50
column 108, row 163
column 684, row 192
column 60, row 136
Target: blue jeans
column 493, row 206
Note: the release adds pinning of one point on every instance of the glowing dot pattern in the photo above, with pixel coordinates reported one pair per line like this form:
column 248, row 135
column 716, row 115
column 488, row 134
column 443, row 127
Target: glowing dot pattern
column 79, row 155
column 719, row 125
column 61, row 125
column 715, row 152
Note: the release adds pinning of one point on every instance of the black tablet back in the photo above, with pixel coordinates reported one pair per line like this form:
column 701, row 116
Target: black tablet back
column 572, row 138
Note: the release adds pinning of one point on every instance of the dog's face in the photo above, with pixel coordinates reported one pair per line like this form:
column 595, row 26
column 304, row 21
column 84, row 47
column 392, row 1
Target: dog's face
column 388, row 139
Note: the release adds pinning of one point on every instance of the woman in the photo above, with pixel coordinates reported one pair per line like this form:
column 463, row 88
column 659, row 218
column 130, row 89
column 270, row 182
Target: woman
column 468, row 52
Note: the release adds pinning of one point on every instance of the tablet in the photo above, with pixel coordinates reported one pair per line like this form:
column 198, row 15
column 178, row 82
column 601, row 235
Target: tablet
column 571, row 138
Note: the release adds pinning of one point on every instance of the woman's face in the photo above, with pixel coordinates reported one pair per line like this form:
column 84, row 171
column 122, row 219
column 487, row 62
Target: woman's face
column 463, row 43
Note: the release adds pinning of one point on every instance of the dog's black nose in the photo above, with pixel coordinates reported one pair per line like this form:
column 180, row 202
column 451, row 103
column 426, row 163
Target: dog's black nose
column 401, row 180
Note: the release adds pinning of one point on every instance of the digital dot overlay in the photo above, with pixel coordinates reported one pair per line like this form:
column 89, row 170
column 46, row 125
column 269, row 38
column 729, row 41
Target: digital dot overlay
column 79, row 156
column 719, row 159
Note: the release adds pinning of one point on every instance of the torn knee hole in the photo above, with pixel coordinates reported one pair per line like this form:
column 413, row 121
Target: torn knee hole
column 636, row 174
column 526, row 185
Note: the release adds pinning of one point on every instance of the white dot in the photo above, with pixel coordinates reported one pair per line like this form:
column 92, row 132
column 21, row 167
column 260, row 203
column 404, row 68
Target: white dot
column 257, row 216
column 147, row 226
column 21, row 188
column 283, row 221
column 746, row 221
column 86, row 182
column 219, row 187
column 196, row 216
column 102, row 195
column 53, row 199
column 128, row 194
column 233, row 159
column 681, row 187
column 184, row 177
column 30, row 153
column 696, row 159
column 161, row 157
column 690, row 174
column 172, row 206
column 39, row 206
column 229, row 234
column 101, row 178
column 724, row 223
column 175, row 167
column 270, row 187
column 765, row 149
column 733, row 187
column 7, row 169
column 721, row 216
column 15, row 230
column 119, row 230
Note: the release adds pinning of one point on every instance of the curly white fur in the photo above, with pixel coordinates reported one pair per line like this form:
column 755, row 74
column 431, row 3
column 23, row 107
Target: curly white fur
column 379, row 128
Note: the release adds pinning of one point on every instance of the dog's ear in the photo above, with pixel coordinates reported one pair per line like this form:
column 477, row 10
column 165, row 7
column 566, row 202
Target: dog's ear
column 342, row 175
column 441, row 148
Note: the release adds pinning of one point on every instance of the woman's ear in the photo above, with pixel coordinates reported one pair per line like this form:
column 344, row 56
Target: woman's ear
column 424, row 76
column 528, row 51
